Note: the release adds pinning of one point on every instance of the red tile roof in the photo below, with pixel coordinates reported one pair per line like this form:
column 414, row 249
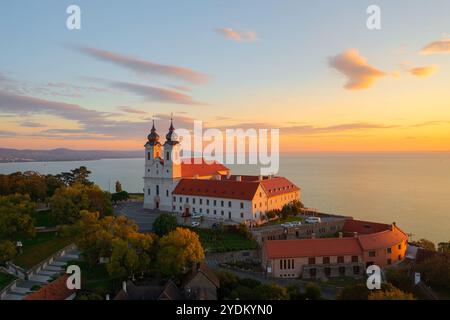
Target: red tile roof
column 56, row 290
column 278, row 185
column 382, row 240
column 232, row 189
column 202, row 168
column 364, row 227
column 216, row 188
column 312, row 247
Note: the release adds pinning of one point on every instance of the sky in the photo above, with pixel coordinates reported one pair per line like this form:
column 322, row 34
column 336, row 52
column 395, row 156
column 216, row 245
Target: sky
column 310, row 68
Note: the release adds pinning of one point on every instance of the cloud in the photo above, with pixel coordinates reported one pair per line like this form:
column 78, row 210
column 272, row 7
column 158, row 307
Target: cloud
column 131, row 110
column 360, row 75
column 156, row 94
column 236, row 35
column 440, row 46
column 31, row 124
column 144, row 66
column 423, row 72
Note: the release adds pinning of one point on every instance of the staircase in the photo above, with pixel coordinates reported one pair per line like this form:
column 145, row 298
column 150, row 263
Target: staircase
column 21, row 288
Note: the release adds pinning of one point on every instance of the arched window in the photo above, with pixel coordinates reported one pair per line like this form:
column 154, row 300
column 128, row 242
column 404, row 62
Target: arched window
column 167, row 155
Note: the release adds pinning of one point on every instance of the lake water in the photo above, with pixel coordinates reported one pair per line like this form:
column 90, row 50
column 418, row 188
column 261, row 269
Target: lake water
column 410, row 189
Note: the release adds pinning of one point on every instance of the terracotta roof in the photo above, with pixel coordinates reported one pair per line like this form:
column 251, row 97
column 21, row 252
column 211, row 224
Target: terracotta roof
column 55, row 290
column 384, row 239
column 203, row 168
column 217, row 188
column 278, row 185
column 206, row 271
column 322, row 247
column 149, row 292
column 364, row 227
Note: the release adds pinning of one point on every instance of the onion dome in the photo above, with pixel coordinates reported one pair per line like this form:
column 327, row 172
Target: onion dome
column 171, row 136
column 153, row 137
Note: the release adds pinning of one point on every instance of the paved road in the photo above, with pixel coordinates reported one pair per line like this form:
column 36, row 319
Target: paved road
column 134, row 210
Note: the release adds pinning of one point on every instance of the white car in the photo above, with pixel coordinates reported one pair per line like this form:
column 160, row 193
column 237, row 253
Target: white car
column 196, row 216
column 195, row 223
column 296, row 223
column 313, row 220
column 287, row 225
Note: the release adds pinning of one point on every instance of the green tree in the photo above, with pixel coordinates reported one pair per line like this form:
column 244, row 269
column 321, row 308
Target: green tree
column 435, row 271
column 7, row 251
column 270, row 292
column 120, row 196
column 358, row 291
column 118, row 187
column 312, row 291
column 16, row 216
column 164, row 224
column 178, row 251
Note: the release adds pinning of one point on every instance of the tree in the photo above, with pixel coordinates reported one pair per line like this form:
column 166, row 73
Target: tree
column 67, row 202
column 390, row 294
column 424, row 244
column 118, row 187
column 132, row 255
column 436, row 271
column 270, row 292
column 312, row 291
column 120, row 196
column 16, row 216
column 95, row 235
column 164, row 224
column 178, row 251
column 7, row 251
column 400, row 277
column 358, row 291
column 79, row 175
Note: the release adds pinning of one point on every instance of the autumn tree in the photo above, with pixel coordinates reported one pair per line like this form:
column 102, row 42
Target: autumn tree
column 390, row 294
column 178, row 251
column 164, row 224
column 436, row 271
column 7, row 251
column 424, row 244
column 16, row 216
column 67, row 202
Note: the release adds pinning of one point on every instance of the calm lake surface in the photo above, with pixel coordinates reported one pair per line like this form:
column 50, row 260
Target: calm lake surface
column 410, row 189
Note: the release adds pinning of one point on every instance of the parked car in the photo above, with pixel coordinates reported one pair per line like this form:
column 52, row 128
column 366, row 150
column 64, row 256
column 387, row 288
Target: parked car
column 196, row 216
column 296, row 223
column 195, row 223
column 287, row 225
column 313, row 220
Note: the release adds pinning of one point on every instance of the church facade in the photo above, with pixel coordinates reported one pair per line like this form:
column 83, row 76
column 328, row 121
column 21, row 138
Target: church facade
column 200, row 187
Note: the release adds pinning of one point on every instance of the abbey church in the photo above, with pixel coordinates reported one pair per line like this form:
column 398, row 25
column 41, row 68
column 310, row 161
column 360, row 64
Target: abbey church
column 201, row 187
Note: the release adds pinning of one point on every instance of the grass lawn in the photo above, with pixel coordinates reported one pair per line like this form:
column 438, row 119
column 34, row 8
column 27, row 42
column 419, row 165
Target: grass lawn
column 43, row 219
column 223, row 241
column 137, row 196
column 5, row 279
column 39, row 248
column 96, row 279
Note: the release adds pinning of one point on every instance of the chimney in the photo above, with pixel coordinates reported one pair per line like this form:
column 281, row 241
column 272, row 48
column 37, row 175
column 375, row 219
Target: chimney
column 238, row 178
column 124, row 286
column 340, row 235
column 393, row 226
column 355, row 234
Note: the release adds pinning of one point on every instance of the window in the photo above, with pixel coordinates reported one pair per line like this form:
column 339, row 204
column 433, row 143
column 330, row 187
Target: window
column 215, row 212
column 201, row 210
column 355, row 259
column 312, row 272
column 157, row 190
column 327, row 271
column 193, row 209
column 215, row 202
column 260, row 194
column 281, row 264
column 221, row 213
column 242, row 205
column 207, row 211
column 174, row 199
column 221, row 203
column 356, row 270
column 181, row 208
column 167, row 155
column 229, row 204
column 399, row 257
column 167, row 193
column 389, row 261
column 181, row 199
column 284, row 264
column 193, row 200
column 292, row 263
column 340, row 259
column 242, row 215
column 207, row 202
column 148, row 191
column 342, row 271
column 371, row 253
column 312, row 261
column 400, row 246
column 389, row 250
column 187, row 200
column 148, row 156
column 326, row 260
column 289, row 264
column 201, row 201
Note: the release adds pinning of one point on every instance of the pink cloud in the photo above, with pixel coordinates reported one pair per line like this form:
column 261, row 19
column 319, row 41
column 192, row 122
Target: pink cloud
column 423, row 72
column 440, row 46
column 236, row 35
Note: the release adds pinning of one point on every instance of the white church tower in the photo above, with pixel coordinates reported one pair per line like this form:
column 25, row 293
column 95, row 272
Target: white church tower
column 162, row 169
